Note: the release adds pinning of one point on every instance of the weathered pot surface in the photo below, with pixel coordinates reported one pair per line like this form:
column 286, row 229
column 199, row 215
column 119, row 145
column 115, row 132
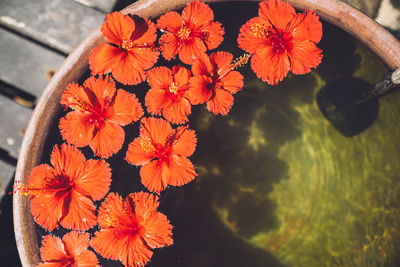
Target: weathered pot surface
column 333, row 11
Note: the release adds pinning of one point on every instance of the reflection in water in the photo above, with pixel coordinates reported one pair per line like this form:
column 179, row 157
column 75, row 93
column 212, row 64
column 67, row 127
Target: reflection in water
column 278, row 185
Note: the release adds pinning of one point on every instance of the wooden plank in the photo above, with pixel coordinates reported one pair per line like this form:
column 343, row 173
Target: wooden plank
column 6, row 175
column 13, row 120
column 59, row 24
column 26, row 65
column 105, row 6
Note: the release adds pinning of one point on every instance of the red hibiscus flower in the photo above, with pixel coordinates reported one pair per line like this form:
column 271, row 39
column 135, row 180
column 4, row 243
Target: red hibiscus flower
column 71, row 251
column 131, row 228
column 130, row 50
column 169, row 93
column 65, row 192
column 214, row 81
column 162, row 152
column 189, row 35
column 281, row 40
column 99, row 110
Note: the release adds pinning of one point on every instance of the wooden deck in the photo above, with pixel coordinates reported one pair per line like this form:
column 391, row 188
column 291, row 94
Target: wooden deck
column 35, row 38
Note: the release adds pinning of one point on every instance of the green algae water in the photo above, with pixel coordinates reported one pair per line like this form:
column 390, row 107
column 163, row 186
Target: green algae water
column 278, row 185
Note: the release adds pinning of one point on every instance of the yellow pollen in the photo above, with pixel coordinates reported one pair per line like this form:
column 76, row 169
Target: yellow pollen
column 184, row 33
column 20, row 188
column 77, row 104
column 127, row 45
column 147, row 145
column 259, row 30
column 240, row 61
column 110, row 220
column 173, row 88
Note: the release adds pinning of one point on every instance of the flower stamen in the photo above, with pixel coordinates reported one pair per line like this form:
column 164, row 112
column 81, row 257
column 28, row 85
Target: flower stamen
column 173, row 88
column 184, row 33
column 147, row 145
column 260, row 31
column 126, row 44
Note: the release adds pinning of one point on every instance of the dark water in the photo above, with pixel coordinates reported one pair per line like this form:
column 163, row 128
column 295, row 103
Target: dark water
column 278, row 185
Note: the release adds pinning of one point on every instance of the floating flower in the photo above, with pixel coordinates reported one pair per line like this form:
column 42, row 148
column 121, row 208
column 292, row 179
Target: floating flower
column 280, row 40
column 99, row 110
column 169, row 93
column 162, row 152
column 71, row 251
column 190, row 34
column 215, row 80
column 130, row 49
column 131, row 228
column 65, row 192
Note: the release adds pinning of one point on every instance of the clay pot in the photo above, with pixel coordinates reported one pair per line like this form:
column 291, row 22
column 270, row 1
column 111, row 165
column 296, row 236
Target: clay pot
column 333, row 11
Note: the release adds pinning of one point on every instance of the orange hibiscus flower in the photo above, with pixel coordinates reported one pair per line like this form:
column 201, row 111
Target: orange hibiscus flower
column 65, row 192
column 189, row 35
column 214, row 81
column 281, row 40
column 131, row 228
column 99, row 110
column 169, row 93
column 162, row 152
column 71, row 251
column 130, row 49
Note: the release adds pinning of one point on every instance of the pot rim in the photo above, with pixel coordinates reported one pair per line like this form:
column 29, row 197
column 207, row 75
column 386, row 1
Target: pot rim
column 336, row 12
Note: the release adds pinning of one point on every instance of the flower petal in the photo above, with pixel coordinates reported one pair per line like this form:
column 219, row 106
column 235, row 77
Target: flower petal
column 79, row 214
column 177, row 112
column 185, row 145
column 250, row 38
column 233, row 82
column 143, row 204
column 159, row 77
column 198, row 91
column 47, row 210
column 127, row 108
column 215, row 33
column 126, row 69
column 108, row 140
column 170, row 21
column 117, row 27
column 67, row 160
column 191, row 50
column 306, row 27
column 53, row 248
column 198, row 13
column 152, row 177
column 270, row 67
column 87, row 258
column 155, row 100
column 103, row 58
column 158, row 231
column 221, row 103
column 102, row 88
column 304, row 56
column 135, row 254
column 169, row 45
column 101, row 244
column 180, row 171
column 155, row 128
column 278, row 12
column 76, row 243
column 77, row 128
column 38, row 178
column 95, row 179
column 136, row 155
